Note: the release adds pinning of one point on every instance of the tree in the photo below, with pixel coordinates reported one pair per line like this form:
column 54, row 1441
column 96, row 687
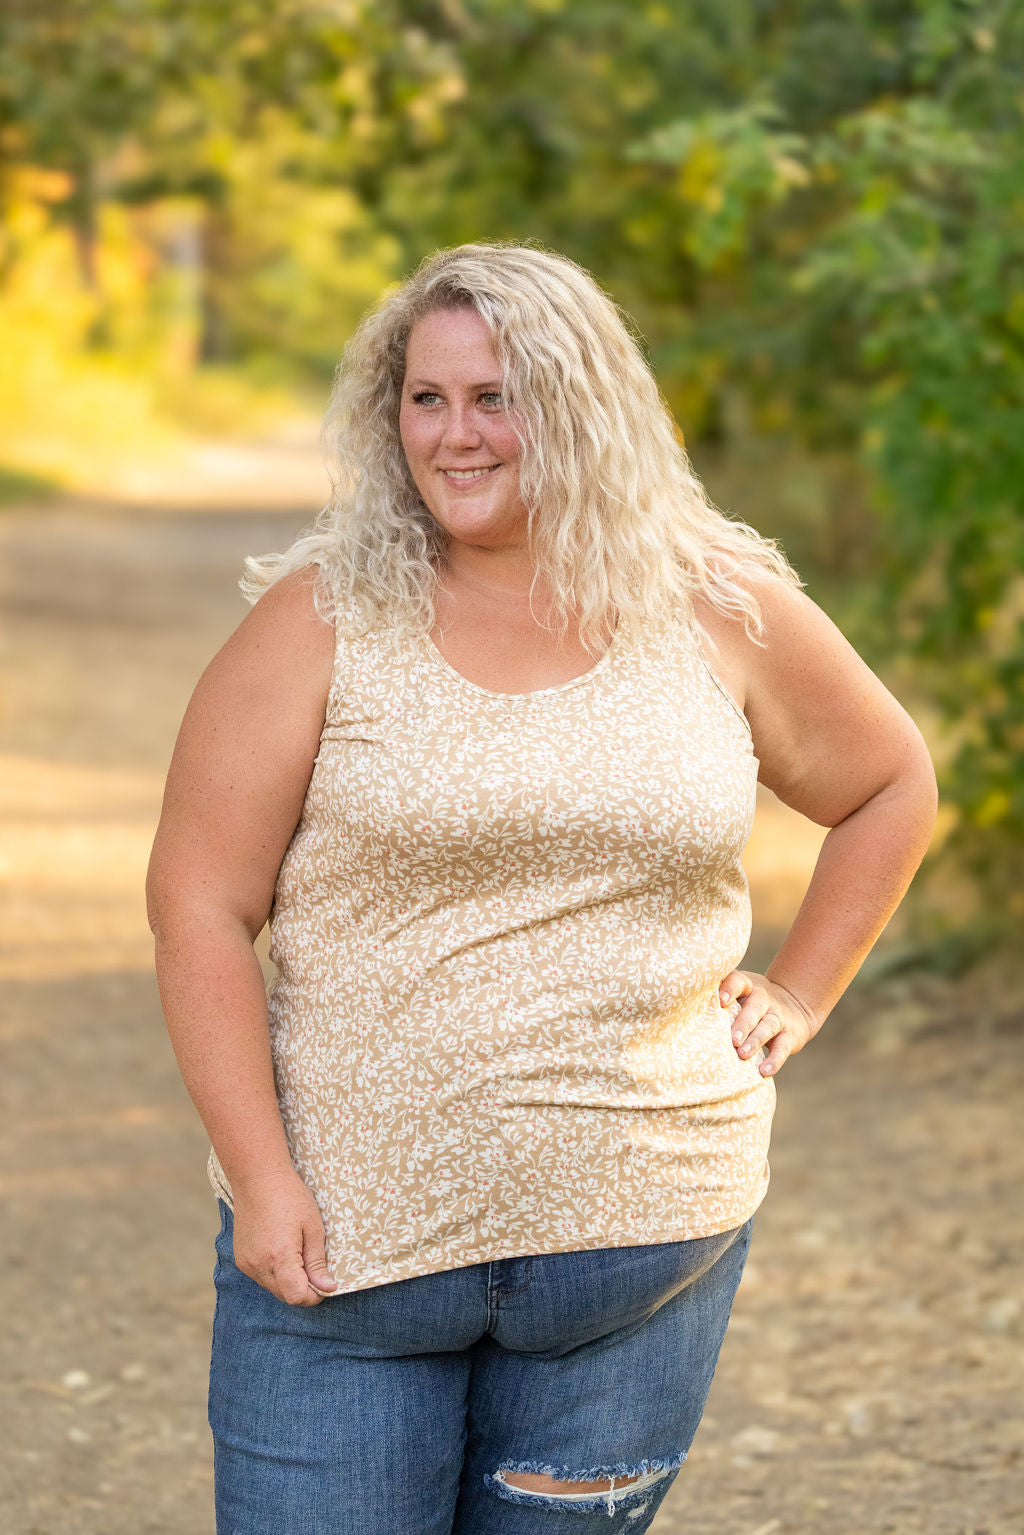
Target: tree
column 812, row 211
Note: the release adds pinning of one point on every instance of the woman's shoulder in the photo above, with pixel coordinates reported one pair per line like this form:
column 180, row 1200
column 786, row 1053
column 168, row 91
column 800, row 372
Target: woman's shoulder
column 295, row 611
column 283, row 649
column 787, row 622
column 824, row 726
column 723, row 635
column 777, row 601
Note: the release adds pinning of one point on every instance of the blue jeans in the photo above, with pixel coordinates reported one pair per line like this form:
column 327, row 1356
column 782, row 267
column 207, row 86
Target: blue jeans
column 399, row 1409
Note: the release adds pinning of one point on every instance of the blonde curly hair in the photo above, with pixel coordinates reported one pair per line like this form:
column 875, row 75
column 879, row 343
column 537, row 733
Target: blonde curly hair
column 617, row 518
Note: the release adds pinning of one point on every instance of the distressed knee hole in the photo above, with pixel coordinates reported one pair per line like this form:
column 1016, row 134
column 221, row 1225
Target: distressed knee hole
column 534, row 1482
column 602, row 1487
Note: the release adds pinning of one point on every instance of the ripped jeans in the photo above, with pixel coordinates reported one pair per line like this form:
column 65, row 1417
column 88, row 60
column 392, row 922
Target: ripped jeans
column 406, row 1408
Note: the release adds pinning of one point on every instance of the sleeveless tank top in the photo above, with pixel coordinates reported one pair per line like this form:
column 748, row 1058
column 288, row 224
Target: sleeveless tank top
column 499, row 927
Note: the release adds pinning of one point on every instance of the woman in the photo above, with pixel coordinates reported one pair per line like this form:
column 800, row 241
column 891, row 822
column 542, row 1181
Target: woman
column 485, row 750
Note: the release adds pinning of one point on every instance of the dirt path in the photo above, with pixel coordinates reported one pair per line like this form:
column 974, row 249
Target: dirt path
column 871, row 1376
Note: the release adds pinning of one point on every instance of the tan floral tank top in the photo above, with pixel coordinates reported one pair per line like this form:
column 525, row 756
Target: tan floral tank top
column 499, row 927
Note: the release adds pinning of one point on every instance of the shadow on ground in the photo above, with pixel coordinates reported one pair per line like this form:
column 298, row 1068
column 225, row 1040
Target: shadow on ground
column 870, row 1377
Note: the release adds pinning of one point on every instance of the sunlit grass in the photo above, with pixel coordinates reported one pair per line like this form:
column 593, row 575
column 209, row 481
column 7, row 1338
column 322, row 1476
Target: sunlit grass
column 103, row 414
column 103, row 374
column 18, row 486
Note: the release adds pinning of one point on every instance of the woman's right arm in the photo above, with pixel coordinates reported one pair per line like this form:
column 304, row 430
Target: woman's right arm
column 235, row 789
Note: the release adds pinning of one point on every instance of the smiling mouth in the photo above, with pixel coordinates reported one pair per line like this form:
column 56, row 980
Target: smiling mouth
column 467, row 476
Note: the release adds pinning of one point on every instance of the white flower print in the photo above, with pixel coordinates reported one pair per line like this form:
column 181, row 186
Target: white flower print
column 499, row 928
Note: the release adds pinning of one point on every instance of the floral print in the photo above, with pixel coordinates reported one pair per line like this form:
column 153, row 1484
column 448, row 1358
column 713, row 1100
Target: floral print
column 499, row 927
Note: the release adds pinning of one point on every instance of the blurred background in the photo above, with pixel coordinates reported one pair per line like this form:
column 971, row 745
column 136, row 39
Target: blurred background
column 814, row 214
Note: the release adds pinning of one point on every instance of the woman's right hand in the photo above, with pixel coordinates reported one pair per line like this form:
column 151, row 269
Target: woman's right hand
column 279, row 1239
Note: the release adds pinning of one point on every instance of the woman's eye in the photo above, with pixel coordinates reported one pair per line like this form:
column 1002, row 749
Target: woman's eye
column 490, row 397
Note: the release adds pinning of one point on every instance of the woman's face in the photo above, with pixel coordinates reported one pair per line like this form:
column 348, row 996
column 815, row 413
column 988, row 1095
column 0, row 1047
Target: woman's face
column 456, row 432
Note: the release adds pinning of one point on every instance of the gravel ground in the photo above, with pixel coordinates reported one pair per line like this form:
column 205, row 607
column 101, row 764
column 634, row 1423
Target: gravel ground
column 871, row 1377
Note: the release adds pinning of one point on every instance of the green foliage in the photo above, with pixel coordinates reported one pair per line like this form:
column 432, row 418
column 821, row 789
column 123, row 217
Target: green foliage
column 900, row 254
column 17, row 487
column 260, row 123
column 814, row 211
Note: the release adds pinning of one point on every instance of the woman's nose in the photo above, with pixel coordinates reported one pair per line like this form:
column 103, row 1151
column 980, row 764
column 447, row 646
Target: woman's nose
column 460, row 429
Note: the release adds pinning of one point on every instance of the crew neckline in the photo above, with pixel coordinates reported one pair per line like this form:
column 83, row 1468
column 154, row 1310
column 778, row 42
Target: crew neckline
column 602, row 663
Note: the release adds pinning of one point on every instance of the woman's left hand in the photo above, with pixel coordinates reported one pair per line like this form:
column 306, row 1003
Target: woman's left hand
column 768, row 1012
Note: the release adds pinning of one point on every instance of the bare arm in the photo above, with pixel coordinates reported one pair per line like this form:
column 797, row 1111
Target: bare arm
column 834, row 744
column 234, row 794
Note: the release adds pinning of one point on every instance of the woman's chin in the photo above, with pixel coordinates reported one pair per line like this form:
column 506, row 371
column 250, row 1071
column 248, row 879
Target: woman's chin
column 482, row 528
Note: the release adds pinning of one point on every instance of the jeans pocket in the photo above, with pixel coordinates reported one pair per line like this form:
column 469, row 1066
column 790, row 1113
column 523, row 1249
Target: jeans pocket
column 222, row 1242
